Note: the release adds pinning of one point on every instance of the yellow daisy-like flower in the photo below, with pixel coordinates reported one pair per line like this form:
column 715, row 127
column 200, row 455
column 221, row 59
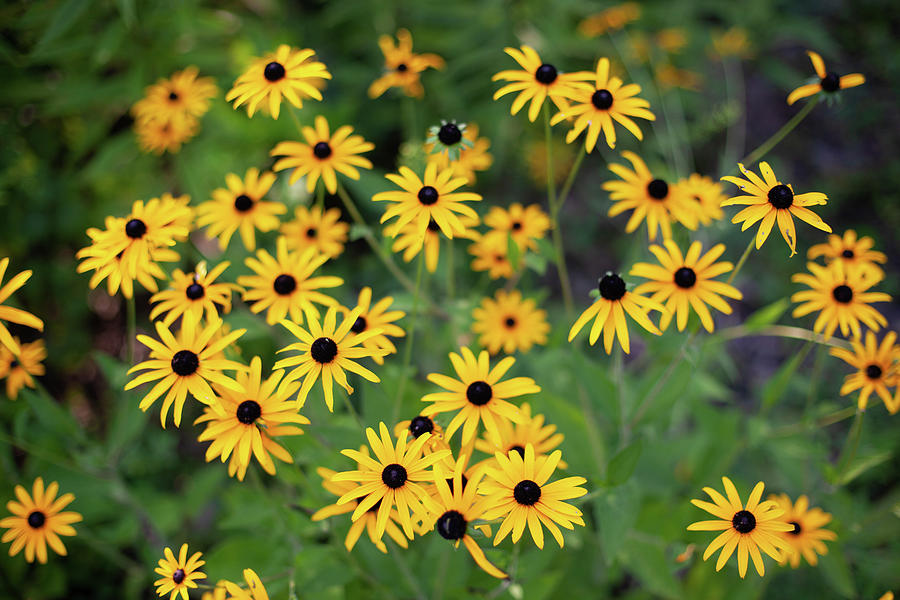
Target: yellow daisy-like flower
column 669, row 76
column 649, row 198
column 536, row 81
column 323, row 154
column 240, row 206
column 156, row 136
column 327, row 350
column 611, row 19
column 459, row 505
column 478, row 395
column 314, row 228
column 178, row 575
column 510, row 322
column 517, row 490
column 609, row 310
column 472, row 157
column 595, row 109
column 284, row 284
column 409, row 240
column 707, row 196
column 515, row 436
column 419, row 425
column 194, row 293
column 367, row 520
column 185, row 363
column 12, row 314
column 431, row 198
column 287, row 72
column 685, row 282
column 37, row 521
column 182, row 94
column 842, row 297
column 748, row 528
column 402, row 67
column 377, row 316
column 492, row 255
column 18, row 368
column 876, row 368
column 769, row 201
column 807, row 536
column 394, row 477
column 525, row 224
column 855, row 253
column 829, row 81
column 255, row 589
column 732, row 42
column 247, row 422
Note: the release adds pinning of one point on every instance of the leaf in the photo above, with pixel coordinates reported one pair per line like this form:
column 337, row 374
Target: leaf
column 617, row 511
column 536, row 263
column 863, row 464
column 63, row 20
column 57, row 419
column 777, row 385
column 835, row 569
column 126, row 9
column 767, row 315
column 623, row 464
column 513, row 252
column 644, row 556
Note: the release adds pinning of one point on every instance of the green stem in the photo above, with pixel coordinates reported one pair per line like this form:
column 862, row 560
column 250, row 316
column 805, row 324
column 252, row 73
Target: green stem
column 131, row 327
column 740, row 262
column 825, row 421
column 567, row 185
column 410, row 334
column 779, row 135
column 647, row 400
column 320, row 196
column 451, row 291
column 784, row 331
column 555, row 231
column 296, row 119
column 850, row 446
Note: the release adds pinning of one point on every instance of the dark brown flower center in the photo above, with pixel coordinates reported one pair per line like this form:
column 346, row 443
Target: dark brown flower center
column 602, row 99
column 243, row 203
column 510, row 322
column 874, row 372
column 685, row 277
column 612, row 287
column 797, row 529
column 451, row 525
column 527, row 492
column 173, row 96
column 520, row 450
column 847, row 254
column 394, row 476
column 546, row 74
column 359, row 325
column 135, row 229
column 185, row 363
column 479, row 393
column 831, row 82
column 36, row 519
column 178, row 576
column 194, row 291
column 322, row 150
column 449, row 134
column 420, row 425
column 323, row 350
column 842, row 294
column 658, row 189
column 284, row 284
column 312, row 233
column 402, row 67
column 428, row 195
column 781, row 196
column 248, row 412
column 743, row 521
column 274, row 71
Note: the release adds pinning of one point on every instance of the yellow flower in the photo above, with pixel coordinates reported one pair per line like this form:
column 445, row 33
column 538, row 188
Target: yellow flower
column 707, row 195
column 855, row 253
column 526, row 225
column 255, row 588
column 829, row 81
column 178, row 575
column 377, row 317
column 37, row 521
column 474, row 157
column 314, row 228
column 510, row 322
column 156, row 136
column 514, row 437
column 240, row 206
column 491, row 255
column 671, row 39
column 733, row 42
column 18, row 368
column 322, row 155
column 669, row 76
column 876, row 368
column 769, row 201
column 807, row 535
column 11, row 314
column 194, row 293
column 181, row 95
column 287, row 72
column 402, row 67
column 408, row 239
column 611, row 19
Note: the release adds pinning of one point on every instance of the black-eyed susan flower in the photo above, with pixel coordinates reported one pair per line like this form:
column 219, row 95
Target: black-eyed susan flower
column 842, row 298
column 377, row 316
column 595, row 109
column 829, row 81
column 322, row 155
column 748, row 528
column 18, row 369
column 707, row 196
column 178, row 575
column 855, row 252
column 409, row 241
column 478, row 395
column 194, row 293
column 287, row 72
column 182, row 94
column 536, row 81
column 284, row 284
column 419, row 425
column 247, row 422
column 10, row 313
column 432, row 197
column 876, row 368
column 517, row 489
column 182, row 363
column 255, row 589
column 402, row 67
column 510, row 322
column 366, row 522
column 609, row 310
column 526, row 224
column 807, row 536
column 38, row 520
column 393, row 477
column 448, row 139
column 240, row 207
column 671, row 39
column 612, row 19
column 316, row 228
column 648, row 197
column 458, row 506
column 326, row 352
column 668, row 76
column 731, row 42
column 157, row 136
column 685, row 282
column 492, row 255
column 530, row 429
column 769, row 201
column 472, row 157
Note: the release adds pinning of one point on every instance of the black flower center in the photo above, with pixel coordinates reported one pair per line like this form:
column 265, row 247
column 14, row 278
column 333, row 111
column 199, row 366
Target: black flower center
column 658, row 189
column 375, row 507
column 243, row 203
column 546, row 74
column 402, row 67
column 248, row 411
column 831, row 82
column 173, row 96
column 685, row 277
column 36, row 519
column 185, row 363
column 359, row 325
column 194, row 291
column 322, row 150
column 743, row 521
column 449, row 134
column 510, row 322
column 479, row 393
column 842, row 294
column 451, row 525
column 602, row 99
column 284, row 284
column 612, row 287
column 527, row 492
column 312, row 233
column 13, row 364
column 420, row 425
column 323, row 350
column 394, row 476
column 797, row 529
column 873, row 372
column 781, row 196
column 428, row 195
column 433, row 226
column 274, row 71
column 520, row 450
column 847, row 254
column 178, row 576
column 517, row 225
column 135, row 229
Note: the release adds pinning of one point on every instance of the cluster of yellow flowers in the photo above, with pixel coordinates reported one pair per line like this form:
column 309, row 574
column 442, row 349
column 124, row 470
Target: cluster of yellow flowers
column 18, row 361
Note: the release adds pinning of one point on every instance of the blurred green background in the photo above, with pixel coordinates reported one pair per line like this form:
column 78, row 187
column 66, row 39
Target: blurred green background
column 71, row 71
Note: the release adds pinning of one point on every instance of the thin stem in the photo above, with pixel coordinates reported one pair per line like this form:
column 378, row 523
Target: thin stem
column 740, row 262
column 647, row 400
column 296, row 119
column 410, row 334
column 555, row 231
column 825, row 421
column 131, row 327
column 850, row 447
column 779, row 135
column 785, row 331
column 548, row 138
column 450, row 279
column 567, row 185
column 736, row 133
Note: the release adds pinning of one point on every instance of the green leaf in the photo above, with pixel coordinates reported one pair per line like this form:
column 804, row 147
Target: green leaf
column 512, row 251
column 623, row 464
column 644, row 556
column 617, row 510
column 63, row 20
column 536, row 263
column 767, row 315
column 777, row 385
column 126, row 9
column 863, row 464
column 835, row 569
column 54, row 417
